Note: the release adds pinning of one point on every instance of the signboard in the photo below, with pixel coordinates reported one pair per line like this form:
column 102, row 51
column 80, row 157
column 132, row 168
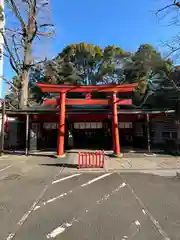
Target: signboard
column 177, row 122
column 50, row 125
column 93, row 125
column 76, row 125
column 88, row 125
column 99, row 125
column 125, row 125
column 82, row 125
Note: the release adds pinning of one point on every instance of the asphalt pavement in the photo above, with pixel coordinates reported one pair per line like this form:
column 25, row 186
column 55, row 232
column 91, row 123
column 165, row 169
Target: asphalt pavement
column 44, row 201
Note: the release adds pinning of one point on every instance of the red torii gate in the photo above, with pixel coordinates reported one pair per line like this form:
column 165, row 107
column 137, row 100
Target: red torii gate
column 63, row 101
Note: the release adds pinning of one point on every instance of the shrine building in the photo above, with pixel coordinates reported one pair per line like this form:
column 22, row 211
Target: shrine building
column 89, row 117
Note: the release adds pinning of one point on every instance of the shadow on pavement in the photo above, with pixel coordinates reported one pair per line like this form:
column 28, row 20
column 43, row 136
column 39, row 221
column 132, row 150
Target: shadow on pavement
column 17, row 153
column 30, row 153
column 50, row 155
column 67, row 165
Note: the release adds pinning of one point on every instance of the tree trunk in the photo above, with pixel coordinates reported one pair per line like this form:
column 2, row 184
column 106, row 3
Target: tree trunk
column 24, row 89
column 25, row 74
column 30, row 34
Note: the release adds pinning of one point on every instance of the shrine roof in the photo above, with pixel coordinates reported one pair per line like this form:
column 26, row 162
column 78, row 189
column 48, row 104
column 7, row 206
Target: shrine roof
column 88, row 109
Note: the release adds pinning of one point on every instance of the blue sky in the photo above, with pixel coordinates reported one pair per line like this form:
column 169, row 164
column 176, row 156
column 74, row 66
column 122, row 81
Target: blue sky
column 104, row 22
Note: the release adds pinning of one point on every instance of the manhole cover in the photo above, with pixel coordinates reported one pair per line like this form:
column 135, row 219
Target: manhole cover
column 12, row 177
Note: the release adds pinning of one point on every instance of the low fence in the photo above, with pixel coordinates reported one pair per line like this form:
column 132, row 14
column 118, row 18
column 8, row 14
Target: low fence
column 91, row 159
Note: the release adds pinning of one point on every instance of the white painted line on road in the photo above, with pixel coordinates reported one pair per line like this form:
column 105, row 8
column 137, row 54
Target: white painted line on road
column 14, row 164
column 23, row 219
column 70, row 191
column 66, row 225
column 145, row 211
column 124, row 238
column 55, row 198
column 11, row 236
column 36, row 207
column 137, row 223
column 56, row 232
column 3, row 169
column 52, row 200
column 27, row 214
column 59, row 230
column 135, row 231
column 95, row 179
column 65, row 178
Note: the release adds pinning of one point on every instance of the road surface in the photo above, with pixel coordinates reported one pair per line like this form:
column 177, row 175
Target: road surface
column 46, row 202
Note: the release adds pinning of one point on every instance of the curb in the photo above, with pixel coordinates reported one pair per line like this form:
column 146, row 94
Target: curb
column 5, row 156
column 121, row 170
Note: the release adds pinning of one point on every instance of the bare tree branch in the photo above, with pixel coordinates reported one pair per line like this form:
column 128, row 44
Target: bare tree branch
column 164, row 8
column 19, row 45
column 11, row 56
column 172, row 45
column 16, row 50
column 10, row 83
column 10, row 105
column 14, row 31
column 46, row 25
column 44, row 34
column 15, row 10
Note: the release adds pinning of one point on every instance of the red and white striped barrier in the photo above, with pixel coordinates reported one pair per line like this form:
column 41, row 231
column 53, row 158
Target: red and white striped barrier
column 91, row 159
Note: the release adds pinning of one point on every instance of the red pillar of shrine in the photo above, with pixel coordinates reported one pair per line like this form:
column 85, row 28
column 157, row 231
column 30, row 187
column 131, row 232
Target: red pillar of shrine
column 115, row 128
column 61, row 134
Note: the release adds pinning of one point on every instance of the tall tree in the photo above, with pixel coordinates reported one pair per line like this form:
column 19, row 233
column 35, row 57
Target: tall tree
column 89, row 64
column 149, row 69
column 62, row 71
column 34, row 94
column 113, row 64
column 12, row 97
column 85, row 58
column 20, row 37
column 145, row 63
